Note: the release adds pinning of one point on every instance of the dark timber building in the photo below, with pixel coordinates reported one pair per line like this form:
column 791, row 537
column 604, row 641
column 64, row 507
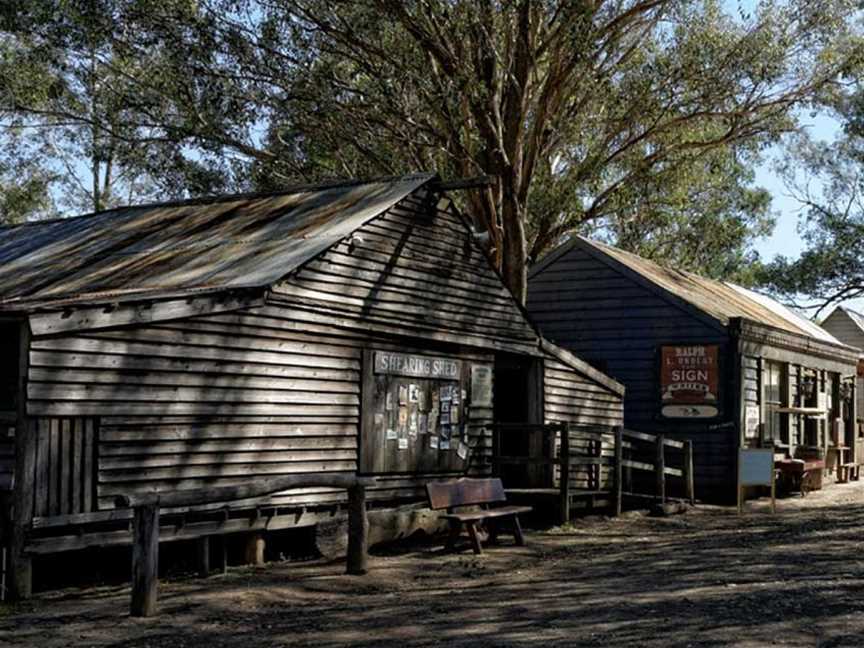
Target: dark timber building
column 347, row 328
column 847, row 326
column 704, row 360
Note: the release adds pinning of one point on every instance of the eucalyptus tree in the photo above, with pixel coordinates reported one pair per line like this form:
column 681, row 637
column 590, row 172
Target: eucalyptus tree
column 828, row 181
column 614, row 114
column 82, row 110
column 587, row 102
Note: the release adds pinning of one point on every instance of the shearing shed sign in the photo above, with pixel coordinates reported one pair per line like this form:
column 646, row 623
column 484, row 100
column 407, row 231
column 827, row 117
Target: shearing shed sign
column 403, row 364
column 689, row 381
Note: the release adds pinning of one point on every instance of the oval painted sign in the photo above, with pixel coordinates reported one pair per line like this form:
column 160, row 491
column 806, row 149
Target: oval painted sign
column 689, row 411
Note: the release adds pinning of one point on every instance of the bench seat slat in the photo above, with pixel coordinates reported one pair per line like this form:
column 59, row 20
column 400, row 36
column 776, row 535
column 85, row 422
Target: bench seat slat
column 473, row 516
column 465, row 491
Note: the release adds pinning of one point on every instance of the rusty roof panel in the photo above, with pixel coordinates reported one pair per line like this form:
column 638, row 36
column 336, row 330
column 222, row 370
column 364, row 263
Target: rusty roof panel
column 722, row 301
column 225, row 242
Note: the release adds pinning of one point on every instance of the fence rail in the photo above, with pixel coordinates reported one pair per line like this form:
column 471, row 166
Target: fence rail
column 145, row 524
column 632, row 441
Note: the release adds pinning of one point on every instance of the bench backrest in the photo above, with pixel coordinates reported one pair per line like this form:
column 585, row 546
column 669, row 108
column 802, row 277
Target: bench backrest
column 464, row 492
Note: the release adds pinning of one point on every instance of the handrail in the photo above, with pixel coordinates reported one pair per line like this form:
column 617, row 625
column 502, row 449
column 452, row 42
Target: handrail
column 248, row 490
column 145, row 524
column 624, row 439
column 652, row 438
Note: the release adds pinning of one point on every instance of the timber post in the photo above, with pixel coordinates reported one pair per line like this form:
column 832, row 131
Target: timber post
column 565, row 472
column 145, row 560
column 23, row 489
column 203, row 556
column 145, row 526
column 358, row 531
column 21, row 565
column 688, row 472
column 618, row 467
column 660, row 470
column 255, row 549
column 222, row 555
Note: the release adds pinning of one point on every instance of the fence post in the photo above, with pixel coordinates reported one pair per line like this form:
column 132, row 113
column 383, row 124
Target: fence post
column 145, row 560
column 358, row 531
column 203, row 556
column 19, row 564
column 688, row 472
column 255, row 545
column 222, row 555
column 618, row 467
column 660, row 470
column 565, row 472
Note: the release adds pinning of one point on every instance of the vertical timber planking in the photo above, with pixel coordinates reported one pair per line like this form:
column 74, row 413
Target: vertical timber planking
column 25, row 473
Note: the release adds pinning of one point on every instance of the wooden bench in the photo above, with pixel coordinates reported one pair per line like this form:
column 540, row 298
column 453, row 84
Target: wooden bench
column 466, row 492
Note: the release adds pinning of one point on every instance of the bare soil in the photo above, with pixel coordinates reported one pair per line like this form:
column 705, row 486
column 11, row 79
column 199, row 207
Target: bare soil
column 707, row 578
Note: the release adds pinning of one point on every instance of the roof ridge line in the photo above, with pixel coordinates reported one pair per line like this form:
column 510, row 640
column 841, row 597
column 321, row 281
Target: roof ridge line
column 222, row 198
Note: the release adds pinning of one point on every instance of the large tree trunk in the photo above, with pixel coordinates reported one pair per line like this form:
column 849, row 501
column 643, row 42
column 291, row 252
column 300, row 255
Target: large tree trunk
column 515, row 258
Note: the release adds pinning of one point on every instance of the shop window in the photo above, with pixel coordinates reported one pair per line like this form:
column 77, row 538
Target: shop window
column 811, row 388
column 773, row 387
column 9, row 365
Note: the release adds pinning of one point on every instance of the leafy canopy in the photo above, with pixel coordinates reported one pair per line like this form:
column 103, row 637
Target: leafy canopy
column 639, row 119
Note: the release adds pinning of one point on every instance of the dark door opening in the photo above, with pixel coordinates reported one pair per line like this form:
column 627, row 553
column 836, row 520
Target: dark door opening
column 519, row 399
column 10, row 343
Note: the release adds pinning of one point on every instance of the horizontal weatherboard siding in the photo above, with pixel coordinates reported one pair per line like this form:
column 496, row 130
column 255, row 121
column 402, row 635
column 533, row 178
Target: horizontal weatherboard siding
column 605, row 317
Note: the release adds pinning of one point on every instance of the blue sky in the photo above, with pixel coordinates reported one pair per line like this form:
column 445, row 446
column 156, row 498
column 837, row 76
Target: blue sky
column 786, row 240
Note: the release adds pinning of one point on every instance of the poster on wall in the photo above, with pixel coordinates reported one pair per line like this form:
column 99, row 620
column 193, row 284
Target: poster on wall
column 751, row 422
column 416, row 412
column 481, row 385
column 689, row 381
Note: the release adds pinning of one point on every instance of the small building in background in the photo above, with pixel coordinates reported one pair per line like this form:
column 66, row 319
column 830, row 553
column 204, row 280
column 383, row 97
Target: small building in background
column 703, row 360
column 847, row 326
column 349, row 328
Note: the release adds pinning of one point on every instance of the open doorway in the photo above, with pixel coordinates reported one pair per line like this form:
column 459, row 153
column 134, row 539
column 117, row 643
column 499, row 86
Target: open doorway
column 10, row 348
column 519, row 399
column 10, row 368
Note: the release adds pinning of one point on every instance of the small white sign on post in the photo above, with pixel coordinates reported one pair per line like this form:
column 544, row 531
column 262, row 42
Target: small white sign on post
column 755, row 468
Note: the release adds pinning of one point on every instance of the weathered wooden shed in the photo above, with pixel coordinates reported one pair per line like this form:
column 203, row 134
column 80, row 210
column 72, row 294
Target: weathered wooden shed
column 352, row 328
column 701, row 359
column 847, row 325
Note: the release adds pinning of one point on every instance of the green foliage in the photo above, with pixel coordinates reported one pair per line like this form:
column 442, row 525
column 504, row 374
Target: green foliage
column 92, row 111
column 827, row 179
column 24, row 198
column 639, row 119
column 703, row 216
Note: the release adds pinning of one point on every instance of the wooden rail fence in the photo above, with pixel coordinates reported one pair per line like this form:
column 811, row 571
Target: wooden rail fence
column 583, row 446
column 145, row 525
column 628, row 439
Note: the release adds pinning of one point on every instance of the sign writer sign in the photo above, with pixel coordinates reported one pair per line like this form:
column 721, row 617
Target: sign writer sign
column 689, row 380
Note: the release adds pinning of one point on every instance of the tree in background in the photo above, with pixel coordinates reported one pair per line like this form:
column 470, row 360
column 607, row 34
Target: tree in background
column 616, row 116
column 828, row 180
column 77, row 108
column 703, row 217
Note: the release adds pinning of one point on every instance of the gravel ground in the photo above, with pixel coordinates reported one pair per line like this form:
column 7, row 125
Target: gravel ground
column 707, row 578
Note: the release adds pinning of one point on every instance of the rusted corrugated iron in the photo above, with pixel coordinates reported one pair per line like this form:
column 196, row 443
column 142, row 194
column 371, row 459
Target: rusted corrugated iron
column 723, row 301
column 220, row 243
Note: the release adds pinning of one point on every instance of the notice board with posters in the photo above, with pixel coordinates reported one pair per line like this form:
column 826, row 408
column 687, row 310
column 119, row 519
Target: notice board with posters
column 415, row 413
column 689, row 381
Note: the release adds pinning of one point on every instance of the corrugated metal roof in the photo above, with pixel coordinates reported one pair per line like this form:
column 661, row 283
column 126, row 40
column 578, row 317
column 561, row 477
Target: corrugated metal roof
column 722, row 301
column 207, row 244
column 855, row 316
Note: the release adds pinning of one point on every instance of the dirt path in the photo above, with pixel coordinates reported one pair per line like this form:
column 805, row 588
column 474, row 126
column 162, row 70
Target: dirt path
column 708, row 578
